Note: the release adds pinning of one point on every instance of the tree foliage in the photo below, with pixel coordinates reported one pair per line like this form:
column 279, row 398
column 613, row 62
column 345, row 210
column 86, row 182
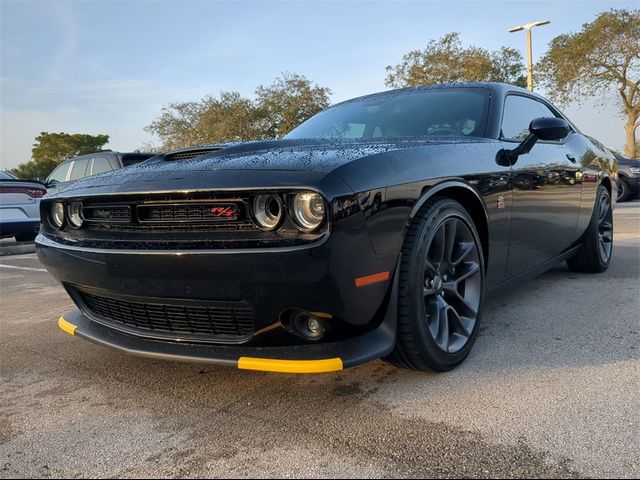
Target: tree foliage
column 287, row 102
column 446, row 60
column 50, row 149
column 277, row 108
column 603, row 56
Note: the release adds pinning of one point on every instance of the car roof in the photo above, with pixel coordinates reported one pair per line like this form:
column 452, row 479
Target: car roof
column 496, row 87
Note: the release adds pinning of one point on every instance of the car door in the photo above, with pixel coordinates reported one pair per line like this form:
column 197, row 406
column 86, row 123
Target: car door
column 546, row 191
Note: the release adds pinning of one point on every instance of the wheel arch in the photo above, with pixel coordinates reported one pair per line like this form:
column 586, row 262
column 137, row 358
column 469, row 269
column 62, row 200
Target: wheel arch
column 469, row 198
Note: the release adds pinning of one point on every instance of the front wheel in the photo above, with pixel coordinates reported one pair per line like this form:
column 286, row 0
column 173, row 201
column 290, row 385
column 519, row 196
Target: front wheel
column 440, row 288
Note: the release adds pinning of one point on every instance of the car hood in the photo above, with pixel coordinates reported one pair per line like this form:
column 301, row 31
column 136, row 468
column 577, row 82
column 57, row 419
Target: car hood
column 240, row 164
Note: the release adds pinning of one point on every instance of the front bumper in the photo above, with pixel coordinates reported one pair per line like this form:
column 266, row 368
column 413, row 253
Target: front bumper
column 339, row 277
column 311, row 358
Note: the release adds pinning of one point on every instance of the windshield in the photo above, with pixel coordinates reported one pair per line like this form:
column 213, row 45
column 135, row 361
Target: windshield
column 451, row 112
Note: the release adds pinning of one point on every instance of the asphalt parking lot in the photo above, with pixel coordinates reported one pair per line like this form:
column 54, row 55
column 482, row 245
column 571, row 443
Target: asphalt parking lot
column 551, row 389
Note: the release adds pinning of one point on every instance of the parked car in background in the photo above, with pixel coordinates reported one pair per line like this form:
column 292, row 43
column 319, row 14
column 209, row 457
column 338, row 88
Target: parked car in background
column 20, row 207
column 628, row 177
column 92, row 164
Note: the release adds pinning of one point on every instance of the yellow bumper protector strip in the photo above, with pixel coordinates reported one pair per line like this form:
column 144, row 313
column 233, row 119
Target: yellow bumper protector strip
column 70, row 328
column 290, row 366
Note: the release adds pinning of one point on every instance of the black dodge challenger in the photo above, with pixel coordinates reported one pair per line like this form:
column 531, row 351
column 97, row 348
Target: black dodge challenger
column 374, row 229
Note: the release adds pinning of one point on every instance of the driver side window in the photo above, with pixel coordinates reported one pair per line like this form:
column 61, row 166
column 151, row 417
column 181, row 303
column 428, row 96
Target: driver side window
column 517, row 115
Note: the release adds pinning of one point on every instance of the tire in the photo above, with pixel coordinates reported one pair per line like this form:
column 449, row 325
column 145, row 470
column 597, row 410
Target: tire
column 440, row 289
column 623, row 190
column 594, row 256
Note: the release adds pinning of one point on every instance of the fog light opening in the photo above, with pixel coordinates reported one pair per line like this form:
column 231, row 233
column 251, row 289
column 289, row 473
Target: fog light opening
column 307, row 326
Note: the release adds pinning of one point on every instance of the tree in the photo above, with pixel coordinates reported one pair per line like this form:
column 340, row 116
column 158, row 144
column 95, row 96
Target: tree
column 287, row 102
column 50, row 149
column 227, row 118
column 278, row 108
column 604, row 55
column 446, row 60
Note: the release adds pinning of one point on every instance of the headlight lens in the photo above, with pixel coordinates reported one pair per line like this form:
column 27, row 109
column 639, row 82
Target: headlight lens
column 267, row 211
column 57, row 214
column 75, row 217
column 634, row 170
column 308, row 210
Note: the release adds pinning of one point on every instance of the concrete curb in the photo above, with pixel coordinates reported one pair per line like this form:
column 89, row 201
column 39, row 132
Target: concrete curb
column 17, row 249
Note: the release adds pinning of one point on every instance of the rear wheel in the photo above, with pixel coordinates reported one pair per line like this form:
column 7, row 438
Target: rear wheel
column 595, row 253
column 623, row 190
column 440, row 289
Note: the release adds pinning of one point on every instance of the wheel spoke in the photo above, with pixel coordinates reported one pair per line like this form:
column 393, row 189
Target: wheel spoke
column 442, row 338
column 466, row 248
column 601, row 248
column 472, row 270
column 450, row 228
column 458, row 321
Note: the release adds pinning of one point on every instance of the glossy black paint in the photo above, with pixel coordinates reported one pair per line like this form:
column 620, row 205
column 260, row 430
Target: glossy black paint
column 529, row 213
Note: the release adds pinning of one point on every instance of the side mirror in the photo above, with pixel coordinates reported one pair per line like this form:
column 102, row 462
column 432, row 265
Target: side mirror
column 541, row 128
column 549, row 128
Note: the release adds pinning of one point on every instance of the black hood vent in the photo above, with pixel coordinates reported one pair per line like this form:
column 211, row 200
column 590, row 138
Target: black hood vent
column 189, row 154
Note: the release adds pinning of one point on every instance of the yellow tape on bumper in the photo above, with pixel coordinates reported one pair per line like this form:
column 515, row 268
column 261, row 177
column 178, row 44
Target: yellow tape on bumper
column 290, row 366
column 70, row 328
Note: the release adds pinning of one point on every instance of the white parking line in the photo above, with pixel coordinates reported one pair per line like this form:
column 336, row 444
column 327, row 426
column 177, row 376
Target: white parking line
column 31, row 269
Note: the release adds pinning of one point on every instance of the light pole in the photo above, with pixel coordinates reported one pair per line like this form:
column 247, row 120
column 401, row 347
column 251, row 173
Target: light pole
column 528, row 27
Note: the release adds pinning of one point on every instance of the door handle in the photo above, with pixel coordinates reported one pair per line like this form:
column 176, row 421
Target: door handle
column 571, row 158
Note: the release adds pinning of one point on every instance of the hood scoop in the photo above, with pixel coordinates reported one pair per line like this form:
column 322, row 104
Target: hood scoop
column 190, row 153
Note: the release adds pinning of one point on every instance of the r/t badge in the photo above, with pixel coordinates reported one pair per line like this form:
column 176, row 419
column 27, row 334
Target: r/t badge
column 500, row 201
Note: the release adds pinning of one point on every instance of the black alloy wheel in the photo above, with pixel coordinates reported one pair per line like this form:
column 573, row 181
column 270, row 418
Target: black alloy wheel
column 452, row 285
column 440, row 288
column 594, row 255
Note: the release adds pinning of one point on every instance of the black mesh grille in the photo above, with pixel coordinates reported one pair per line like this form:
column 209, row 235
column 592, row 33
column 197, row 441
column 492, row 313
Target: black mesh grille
column 107, row 213
column 190, row 154
column 228, row 321
column 188, row 212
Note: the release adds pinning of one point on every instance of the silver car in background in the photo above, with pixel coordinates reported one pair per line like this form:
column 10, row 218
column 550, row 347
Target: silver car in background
column 20, row 207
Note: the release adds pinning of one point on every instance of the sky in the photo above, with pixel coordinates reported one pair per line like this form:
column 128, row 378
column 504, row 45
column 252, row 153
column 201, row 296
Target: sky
column 109, row 66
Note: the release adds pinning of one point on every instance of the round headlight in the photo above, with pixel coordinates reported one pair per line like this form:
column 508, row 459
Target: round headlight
column 75, row 217
column 268, row 211
column 57, row 214
column 308, row 210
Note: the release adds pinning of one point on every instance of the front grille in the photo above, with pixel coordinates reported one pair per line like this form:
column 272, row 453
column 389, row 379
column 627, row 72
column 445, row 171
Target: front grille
column 107, row 213
column 190, row 154
column 217, row 322
column 190, row 215
column 187, row 212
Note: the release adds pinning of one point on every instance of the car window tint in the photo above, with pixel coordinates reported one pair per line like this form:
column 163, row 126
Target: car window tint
column 100, row 164
column 113, row 161
column 6, row 176
column 59, row 174
column 79, row 169
column 518, row 113
column 454, row 112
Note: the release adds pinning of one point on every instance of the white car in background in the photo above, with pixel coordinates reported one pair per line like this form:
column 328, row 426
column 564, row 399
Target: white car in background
column 20, row 207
